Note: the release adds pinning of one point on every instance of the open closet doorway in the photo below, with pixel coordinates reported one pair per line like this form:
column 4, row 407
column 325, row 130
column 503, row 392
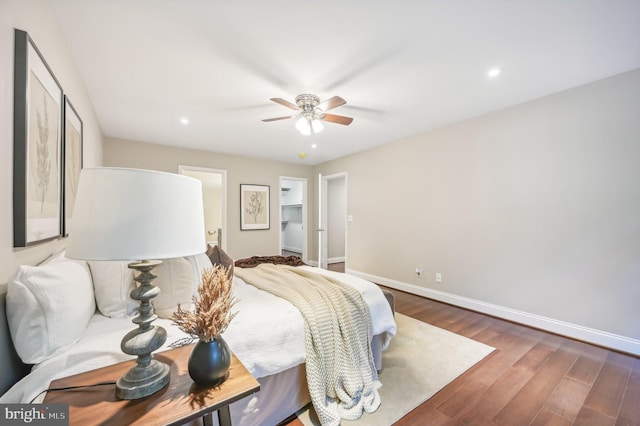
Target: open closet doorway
column 293, row 217
column 214, row 200
column 332, row 230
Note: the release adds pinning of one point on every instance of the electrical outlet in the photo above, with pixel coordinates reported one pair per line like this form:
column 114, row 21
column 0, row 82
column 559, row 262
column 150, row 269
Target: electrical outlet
column 438, row 277
column 418, row 273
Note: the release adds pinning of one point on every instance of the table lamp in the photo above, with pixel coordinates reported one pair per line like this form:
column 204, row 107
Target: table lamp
column 140, row 216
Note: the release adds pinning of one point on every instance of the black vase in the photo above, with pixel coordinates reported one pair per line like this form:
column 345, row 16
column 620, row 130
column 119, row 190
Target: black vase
column 209, row 362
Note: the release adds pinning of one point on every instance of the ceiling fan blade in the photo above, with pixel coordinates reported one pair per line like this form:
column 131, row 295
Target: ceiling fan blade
column 285, row 103
column 266, row 120
column 338, row 119
column 331, row 103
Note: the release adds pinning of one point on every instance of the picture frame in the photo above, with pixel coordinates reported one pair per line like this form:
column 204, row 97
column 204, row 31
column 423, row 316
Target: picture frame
column 254, row 207
column 37, row 146
column 72, row 162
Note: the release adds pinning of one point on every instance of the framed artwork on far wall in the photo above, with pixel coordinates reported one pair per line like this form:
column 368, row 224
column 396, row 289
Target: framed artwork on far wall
column 37, row 143
column 72, row 163
column 254, row 207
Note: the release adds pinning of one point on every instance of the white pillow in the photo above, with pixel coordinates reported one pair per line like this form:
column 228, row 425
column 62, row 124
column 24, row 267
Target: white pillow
column 175, row 280
column 199, row 263
column 49, row 307
column 113, row 282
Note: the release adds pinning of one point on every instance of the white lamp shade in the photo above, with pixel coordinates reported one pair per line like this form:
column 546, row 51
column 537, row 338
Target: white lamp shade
column 130, row 214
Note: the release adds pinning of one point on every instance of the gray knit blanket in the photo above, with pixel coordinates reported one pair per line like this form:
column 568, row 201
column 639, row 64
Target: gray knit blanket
column 343, row 382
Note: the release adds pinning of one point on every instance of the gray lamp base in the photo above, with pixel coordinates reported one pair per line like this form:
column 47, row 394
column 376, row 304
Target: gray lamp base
column 141, row 382
column 148, row 375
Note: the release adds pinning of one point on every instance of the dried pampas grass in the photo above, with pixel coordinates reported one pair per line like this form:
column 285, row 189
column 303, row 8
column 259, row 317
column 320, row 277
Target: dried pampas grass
column 212, row 313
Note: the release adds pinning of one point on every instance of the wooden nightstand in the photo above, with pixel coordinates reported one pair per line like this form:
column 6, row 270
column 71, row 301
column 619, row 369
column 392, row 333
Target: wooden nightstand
column 179, row 402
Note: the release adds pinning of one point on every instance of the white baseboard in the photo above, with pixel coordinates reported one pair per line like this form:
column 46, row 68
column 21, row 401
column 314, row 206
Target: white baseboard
column 332, row 260
column 293, row 249
column 574, row 331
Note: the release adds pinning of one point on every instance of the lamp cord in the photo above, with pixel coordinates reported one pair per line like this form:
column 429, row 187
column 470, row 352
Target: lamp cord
column 71, row 387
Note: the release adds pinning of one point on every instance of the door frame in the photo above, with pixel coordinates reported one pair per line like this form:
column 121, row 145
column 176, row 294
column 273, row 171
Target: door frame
column 223, row 173
column 305, row 183
column 323, row 214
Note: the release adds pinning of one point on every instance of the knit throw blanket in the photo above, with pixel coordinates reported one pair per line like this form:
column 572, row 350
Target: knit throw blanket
column 341, row 375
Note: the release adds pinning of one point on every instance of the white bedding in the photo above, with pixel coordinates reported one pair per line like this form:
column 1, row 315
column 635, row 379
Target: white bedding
column 267, row 335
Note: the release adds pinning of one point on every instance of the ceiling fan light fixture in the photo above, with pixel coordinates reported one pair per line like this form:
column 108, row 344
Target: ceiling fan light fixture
column 307, row 124
column 312, row 112
column 301, row 122
column 317, row 126
column 306, row 131
column 303, row 126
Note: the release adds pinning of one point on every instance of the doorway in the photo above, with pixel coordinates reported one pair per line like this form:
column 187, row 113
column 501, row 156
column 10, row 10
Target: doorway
column 293, row 217
column 214, row 200
column 332, row 230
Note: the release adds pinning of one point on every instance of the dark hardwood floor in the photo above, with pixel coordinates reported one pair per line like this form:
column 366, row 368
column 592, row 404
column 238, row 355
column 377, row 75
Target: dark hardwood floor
column 532, row 378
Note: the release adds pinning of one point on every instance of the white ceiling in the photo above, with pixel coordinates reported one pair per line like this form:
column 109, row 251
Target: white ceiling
column 403, row 67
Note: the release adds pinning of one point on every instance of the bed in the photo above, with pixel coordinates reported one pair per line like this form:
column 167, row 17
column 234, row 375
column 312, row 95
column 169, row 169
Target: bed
column 267, row 336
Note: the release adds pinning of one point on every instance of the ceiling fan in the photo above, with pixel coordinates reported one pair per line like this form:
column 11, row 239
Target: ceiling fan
column 312, row 112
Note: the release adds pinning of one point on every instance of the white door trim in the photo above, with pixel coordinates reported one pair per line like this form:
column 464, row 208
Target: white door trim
column 323, row 215
column 304, row 213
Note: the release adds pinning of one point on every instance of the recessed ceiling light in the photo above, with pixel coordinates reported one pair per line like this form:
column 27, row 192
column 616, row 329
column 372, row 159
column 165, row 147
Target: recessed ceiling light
column 493, row 72
column 314, row 146
column 184, row 120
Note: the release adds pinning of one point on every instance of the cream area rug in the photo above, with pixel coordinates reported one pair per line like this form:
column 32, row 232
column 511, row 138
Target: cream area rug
column 420, row 360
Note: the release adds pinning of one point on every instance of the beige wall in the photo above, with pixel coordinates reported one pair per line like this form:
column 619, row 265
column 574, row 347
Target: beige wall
column 534, row 208
column 36, row 18
column 240, row 170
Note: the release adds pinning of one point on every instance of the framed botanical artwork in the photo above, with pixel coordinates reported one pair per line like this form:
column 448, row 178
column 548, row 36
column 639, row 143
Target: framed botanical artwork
column 37, row 143
column 254, row 207
column 72, row 148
